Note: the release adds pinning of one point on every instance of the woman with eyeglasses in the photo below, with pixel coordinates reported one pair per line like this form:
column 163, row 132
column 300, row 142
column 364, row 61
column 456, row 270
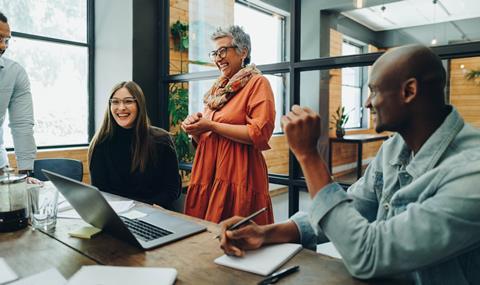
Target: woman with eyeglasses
column 229, row 174
column 130, row 157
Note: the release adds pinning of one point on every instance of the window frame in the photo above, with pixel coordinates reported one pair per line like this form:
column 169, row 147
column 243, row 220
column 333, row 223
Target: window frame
column 362, row 78
column 90, row 45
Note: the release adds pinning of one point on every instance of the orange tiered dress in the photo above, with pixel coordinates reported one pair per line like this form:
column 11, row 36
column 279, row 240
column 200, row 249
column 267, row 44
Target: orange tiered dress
column 230, row 178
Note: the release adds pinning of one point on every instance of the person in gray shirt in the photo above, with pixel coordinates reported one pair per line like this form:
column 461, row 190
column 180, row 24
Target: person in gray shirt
column 15, row 96
column 416, row 209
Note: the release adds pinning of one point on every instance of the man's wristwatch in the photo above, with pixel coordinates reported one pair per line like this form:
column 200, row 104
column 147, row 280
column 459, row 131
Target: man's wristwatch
column 28, row 172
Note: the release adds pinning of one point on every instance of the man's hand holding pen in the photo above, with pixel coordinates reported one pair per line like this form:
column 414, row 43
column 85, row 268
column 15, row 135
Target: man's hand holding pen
column 235, row 242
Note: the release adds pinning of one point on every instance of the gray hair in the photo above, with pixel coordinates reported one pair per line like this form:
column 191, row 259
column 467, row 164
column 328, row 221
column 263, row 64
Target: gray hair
column 240, row 39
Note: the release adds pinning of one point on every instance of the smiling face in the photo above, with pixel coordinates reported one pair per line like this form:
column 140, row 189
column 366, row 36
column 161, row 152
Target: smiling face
column 232, row 62
column 385, row 101
column 4, row 34
column 124, row 108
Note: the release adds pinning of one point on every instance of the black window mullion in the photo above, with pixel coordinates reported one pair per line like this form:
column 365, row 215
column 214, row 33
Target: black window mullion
column 91, row 67
column 293, row 166
column 49, row 39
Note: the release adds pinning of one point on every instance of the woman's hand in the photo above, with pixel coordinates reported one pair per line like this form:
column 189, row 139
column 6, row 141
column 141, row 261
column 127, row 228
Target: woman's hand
column 196, row 125
column 191, row 119
column 236, row 242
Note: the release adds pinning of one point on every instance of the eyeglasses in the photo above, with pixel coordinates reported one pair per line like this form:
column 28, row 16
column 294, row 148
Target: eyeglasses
column 126, row 102
column 5, row 40
column 221, row 52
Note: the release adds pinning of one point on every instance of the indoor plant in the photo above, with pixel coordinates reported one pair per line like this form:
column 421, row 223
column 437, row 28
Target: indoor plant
column 340, row 119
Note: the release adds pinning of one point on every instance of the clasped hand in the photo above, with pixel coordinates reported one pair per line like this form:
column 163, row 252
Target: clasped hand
column 196, row 124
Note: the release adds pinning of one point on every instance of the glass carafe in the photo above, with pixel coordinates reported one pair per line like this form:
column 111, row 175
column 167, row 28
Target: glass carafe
column 13, row 201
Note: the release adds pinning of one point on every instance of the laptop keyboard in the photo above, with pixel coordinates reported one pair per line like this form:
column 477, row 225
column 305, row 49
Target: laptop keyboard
column 143, row 230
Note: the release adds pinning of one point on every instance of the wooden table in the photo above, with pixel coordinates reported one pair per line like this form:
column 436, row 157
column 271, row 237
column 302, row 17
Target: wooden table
column 29, row 252
column 359, row 140
column 192, row 257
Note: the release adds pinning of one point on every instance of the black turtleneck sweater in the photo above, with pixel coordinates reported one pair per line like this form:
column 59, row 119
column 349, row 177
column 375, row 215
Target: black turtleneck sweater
column 111, row 163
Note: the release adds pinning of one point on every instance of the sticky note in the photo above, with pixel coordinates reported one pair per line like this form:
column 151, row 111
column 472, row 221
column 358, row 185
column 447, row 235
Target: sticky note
column 85, row 232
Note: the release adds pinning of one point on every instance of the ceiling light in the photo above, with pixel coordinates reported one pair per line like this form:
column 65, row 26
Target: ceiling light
column 434, row 39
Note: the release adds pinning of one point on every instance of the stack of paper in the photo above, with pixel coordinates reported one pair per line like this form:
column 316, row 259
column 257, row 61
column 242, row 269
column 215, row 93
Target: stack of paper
column 117, row 275
column 262, row 261
column 47, row 277
column 97, row 274
column 6, row 273
column 328, row 249
column 118, row 207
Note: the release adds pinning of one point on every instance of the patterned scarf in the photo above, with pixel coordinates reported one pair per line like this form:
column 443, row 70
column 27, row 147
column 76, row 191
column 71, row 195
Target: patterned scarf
column 224, row 89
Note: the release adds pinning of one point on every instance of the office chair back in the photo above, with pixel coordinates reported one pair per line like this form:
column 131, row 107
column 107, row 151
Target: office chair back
column 71, row 168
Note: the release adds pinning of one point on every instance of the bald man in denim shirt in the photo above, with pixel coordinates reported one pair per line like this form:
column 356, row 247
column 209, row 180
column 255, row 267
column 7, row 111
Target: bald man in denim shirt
column 417, row 208
column 15, row 96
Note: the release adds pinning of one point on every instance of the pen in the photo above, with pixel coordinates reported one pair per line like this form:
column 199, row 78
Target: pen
column 244, row 221
column 278, row 275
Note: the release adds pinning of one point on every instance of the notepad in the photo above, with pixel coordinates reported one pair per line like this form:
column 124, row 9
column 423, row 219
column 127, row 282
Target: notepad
column 86, row 232
column 262, row 261
column 118, row 275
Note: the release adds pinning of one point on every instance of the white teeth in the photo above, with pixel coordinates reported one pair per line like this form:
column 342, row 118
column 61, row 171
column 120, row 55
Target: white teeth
column 123, row 115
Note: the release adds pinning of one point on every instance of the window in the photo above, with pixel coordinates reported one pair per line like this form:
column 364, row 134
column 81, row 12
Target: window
column 352, row 87
column 267, row 32
column 267, row 36
column 49, row 39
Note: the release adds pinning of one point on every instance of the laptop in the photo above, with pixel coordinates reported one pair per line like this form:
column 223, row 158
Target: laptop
column 155, row 229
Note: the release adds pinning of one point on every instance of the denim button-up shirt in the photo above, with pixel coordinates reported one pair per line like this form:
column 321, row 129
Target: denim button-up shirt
column 16, row 97
column 416, row 214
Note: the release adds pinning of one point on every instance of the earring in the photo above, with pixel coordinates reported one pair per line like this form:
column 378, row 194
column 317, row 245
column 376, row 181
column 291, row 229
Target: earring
column 243, row 62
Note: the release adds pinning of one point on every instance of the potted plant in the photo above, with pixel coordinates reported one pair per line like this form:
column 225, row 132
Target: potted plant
column 340, row 119
column 473, row 75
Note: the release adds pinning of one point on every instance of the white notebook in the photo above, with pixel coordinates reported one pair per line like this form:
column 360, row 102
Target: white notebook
column 261, row 261
column 118, row 275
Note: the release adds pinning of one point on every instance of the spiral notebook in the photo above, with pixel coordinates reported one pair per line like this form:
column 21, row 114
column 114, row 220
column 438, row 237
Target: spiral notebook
column 262, row 261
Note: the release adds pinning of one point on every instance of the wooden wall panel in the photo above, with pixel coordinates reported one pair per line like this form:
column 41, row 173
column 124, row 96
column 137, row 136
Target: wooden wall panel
column 277, row 157
column 74, row 153
column 465, row 94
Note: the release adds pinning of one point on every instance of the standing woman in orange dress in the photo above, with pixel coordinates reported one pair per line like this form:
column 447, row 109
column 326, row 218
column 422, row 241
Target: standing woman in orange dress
column 229, row 174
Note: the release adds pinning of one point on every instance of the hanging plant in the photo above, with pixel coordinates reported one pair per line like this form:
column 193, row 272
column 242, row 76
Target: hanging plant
column 473, row 75
column 178, row 97
column 179, row 32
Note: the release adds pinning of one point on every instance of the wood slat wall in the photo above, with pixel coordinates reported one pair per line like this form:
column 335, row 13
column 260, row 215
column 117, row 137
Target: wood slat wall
column 465, row 94
column 74, row 153
column 277, row 157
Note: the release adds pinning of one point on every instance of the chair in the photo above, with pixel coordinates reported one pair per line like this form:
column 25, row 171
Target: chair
column 71, row 168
